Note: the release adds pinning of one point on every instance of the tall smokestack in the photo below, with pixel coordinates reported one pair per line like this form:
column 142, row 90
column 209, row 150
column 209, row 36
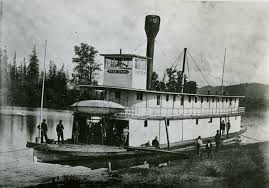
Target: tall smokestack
column 152, row 25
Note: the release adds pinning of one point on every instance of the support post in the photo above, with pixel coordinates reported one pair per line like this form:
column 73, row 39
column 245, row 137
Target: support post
column 183, row 70
column 167, row 134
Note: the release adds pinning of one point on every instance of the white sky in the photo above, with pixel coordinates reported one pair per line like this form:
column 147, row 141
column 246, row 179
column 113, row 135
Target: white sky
column 205, row 28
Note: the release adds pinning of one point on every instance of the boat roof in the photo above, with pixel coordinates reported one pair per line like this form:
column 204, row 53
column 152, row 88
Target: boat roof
column 123, row 56
column 157, row 92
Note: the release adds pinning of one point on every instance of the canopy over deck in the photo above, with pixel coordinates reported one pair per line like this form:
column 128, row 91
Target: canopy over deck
column 103, row 87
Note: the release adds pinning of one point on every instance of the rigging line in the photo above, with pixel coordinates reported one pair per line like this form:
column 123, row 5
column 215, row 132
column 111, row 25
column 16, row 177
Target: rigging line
column 198, row 67
column 188, row 68
column 163, row 52
column 178, row 59
column 223, row 72
column 139, row 45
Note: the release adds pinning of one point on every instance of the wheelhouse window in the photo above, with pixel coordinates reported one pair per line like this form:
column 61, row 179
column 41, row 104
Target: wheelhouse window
column 120, row 62
column 213, row 99
column 189, row 98
column 217, row 99
column 231, row 99
column 195, row 99
column 226, row 99
column 202, row 99
column 207, row 99
column 117, row 94
column 174, row 98
column 210, row 120
column 139, row 96
column 222, row 99
column 140, row 64
column 196, row 121
column 158, row 99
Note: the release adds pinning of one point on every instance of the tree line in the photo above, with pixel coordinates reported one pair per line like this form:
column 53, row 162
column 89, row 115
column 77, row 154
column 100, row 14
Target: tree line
column 21, row 82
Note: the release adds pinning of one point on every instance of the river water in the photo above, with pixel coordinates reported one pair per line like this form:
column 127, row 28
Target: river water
column 19, row 125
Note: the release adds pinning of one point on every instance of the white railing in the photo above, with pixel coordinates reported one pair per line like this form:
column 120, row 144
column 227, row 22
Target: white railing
column 136, row 112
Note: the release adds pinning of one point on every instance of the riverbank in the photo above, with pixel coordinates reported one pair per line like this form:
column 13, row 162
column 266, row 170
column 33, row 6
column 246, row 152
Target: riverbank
column 234, row 166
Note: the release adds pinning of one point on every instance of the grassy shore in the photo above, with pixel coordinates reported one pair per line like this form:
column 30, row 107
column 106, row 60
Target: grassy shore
column 234, row 166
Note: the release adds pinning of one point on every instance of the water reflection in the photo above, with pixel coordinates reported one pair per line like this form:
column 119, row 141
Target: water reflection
column 19, row 125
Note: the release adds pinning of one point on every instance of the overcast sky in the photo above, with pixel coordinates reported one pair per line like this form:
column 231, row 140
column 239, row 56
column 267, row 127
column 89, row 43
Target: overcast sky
column 205, row 28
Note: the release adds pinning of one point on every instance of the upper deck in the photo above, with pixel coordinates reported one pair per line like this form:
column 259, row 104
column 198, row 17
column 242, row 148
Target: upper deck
column 148, row 104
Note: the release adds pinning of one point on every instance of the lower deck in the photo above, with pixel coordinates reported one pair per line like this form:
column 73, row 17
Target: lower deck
column 137, row 132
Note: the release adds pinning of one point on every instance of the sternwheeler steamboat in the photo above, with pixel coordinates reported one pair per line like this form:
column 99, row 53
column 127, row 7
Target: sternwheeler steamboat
column 125, row 104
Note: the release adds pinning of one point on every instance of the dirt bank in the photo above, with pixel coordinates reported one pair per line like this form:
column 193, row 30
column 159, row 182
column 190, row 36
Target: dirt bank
column 233, row 166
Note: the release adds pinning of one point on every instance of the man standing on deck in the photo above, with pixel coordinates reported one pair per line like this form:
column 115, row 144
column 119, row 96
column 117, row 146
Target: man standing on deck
column 222, row 127
column 60, row 132
column 228, row 126
column 125, row 133
column 218, row 140
column 44, row 130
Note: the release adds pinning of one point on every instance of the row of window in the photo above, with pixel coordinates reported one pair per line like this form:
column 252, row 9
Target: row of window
column 168, row 121
column 140, row 64
column 139, row 96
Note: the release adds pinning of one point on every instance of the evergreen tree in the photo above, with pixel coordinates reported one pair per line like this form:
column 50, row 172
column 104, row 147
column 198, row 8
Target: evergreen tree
column 33, row 68
column 56, row 86
column 32, row 84
column 86, row 70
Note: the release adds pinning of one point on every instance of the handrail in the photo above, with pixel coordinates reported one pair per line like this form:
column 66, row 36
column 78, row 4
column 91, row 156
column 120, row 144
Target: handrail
column 178, row 112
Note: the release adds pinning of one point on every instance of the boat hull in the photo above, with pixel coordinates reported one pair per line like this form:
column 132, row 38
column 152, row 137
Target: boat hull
column 98, row 156
column 100, row 160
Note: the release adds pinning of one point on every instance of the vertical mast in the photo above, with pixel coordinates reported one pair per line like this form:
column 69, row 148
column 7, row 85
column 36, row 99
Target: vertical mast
column 43, row 85
column 1, row 20
column 183, row 70
column 223, row 72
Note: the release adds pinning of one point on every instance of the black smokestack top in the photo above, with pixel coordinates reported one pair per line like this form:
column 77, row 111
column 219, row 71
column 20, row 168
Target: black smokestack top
column 152, row 25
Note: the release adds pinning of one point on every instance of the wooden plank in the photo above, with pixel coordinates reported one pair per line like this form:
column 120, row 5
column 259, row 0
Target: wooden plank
column 130, row 148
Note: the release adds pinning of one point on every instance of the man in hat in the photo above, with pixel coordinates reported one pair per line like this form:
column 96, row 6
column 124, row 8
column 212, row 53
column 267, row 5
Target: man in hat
column 60, row 131
column 44, row 130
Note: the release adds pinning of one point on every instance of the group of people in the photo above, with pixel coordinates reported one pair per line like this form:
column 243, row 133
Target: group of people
column 208, row 146
column 44, row 130
column 155, row 143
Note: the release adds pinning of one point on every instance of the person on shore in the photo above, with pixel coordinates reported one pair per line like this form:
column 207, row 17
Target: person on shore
column 209, row 149
column 44, row 130
column 222, row 127
column 217, row 140
column 228, row 126
column 60, row 131
column 156, row 143
column 76, row 134
column 199, row 143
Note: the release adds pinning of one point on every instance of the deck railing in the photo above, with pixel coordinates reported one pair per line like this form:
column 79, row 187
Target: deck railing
column 143, row 112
